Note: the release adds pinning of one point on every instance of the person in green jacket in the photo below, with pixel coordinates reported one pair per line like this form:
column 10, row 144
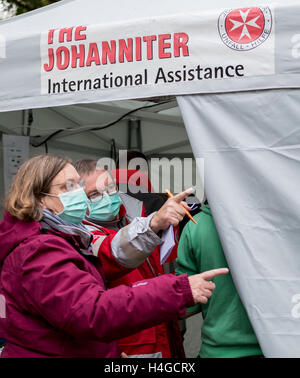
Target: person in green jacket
column 226, row 331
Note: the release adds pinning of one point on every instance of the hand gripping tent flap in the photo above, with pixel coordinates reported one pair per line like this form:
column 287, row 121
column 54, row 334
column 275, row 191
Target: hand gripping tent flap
column 234, row 67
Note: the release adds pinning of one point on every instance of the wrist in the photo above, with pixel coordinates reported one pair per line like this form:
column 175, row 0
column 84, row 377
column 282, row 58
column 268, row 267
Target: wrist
column 154, row 225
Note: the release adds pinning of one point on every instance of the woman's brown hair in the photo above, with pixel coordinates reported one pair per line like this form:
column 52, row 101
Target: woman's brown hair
column 33, row 177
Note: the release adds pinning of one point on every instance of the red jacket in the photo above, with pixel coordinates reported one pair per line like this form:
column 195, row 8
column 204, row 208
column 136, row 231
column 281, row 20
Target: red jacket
column 56, row 302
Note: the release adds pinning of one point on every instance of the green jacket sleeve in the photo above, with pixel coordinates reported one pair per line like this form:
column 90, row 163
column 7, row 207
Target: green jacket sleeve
column 186, row 261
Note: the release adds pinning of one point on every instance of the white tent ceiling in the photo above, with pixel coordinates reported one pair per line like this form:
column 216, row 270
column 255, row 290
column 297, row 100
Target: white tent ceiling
column 162, row 128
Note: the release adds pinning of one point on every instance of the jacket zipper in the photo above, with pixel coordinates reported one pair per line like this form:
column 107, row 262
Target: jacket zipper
column 151, row 267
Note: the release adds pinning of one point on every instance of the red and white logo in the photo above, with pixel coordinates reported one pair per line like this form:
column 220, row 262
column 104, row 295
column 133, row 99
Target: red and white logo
column 245, row 28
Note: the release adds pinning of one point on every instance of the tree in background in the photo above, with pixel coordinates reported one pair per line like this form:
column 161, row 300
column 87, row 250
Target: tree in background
column 23, row 6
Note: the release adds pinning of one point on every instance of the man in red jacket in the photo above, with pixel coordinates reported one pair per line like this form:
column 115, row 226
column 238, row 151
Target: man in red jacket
column 110, row 212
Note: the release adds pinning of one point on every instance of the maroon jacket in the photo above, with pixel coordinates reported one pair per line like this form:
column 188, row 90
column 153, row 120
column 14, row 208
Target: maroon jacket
column 57, row 304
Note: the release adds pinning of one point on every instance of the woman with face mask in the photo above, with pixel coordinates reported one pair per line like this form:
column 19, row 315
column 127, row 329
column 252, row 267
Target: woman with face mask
column 53, row 289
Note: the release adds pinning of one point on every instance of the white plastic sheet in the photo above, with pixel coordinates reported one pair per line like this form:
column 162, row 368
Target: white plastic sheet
column 250, row 143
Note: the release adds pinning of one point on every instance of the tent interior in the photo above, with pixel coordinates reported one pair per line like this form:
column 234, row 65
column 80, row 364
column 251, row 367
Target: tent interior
column 153, row 126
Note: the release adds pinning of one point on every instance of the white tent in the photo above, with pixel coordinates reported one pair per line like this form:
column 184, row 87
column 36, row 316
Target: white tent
column 45, row 117
column 69, row 61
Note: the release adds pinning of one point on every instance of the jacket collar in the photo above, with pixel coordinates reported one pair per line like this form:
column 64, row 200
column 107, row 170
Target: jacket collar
column 78, row 233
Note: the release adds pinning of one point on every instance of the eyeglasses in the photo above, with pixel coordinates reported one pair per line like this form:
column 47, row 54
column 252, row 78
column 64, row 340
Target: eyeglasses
column 97, row 195
column 71, row 185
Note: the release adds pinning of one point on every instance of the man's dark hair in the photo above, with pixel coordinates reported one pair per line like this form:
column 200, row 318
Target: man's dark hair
column 85, row 166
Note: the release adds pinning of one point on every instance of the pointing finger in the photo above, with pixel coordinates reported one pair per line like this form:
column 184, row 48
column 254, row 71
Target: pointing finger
column 181, row 196
column 213, row 273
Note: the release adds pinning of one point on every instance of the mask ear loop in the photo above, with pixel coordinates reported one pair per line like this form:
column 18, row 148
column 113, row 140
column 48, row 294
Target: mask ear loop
column 50, row 195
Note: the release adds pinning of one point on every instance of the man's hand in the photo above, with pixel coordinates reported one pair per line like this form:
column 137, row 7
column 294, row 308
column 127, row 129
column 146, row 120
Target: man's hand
column 171, row 213
column 201, row 285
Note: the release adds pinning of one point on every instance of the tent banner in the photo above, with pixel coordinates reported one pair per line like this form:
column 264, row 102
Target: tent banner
column 251, row 151
column 168, row 52
column 209, row 51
